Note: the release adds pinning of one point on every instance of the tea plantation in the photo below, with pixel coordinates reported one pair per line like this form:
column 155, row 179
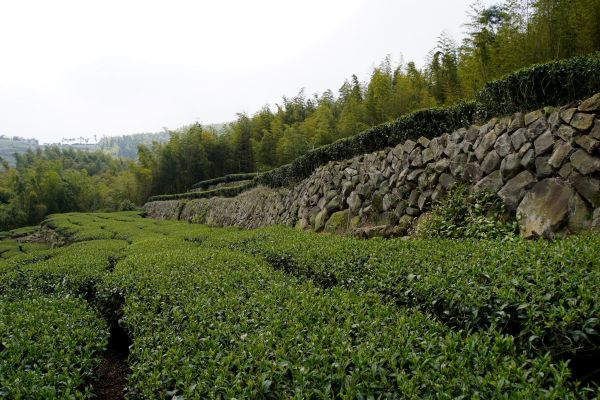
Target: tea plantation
column 276, row 313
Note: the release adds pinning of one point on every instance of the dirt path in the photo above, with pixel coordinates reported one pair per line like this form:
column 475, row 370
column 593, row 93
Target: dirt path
column 111, row 375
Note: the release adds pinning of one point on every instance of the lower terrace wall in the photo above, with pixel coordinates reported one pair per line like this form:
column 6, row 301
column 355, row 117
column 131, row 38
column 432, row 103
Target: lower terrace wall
column 545, row 165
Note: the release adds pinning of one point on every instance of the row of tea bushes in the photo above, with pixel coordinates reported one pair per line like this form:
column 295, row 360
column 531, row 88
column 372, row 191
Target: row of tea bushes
column 543, row 293
column 49, row 348
column 278, row 313
column 211, row 323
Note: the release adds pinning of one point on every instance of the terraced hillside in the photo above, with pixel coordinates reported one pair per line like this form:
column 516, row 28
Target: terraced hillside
column 165, row 309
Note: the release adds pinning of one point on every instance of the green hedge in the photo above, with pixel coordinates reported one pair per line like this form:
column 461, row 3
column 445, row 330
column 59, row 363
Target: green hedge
column 437, row 121
column 225, row 179
column 221, row 192
column 553, row 83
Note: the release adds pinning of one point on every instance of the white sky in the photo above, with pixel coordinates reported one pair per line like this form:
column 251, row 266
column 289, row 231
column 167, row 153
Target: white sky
column 79, row 68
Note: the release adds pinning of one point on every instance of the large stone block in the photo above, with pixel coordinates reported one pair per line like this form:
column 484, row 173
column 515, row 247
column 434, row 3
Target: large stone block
column 582, row 121
column 559, row 155
column 543, row 143
column 548, row 207
column 585, row 163
column 591, row 104
column 493, row 182
column 587, row 187
column 514, row 190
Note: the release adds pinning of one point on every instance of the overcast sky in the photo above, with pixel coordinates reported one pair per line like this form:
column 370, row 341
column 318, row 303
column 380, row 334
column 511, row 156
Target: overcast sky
column 79, row 68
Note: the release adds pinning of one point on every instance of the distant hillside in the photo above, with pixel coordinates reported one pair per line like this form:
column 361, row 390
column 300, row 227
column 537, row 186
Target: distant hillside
column 126, row 145
column 11, row 145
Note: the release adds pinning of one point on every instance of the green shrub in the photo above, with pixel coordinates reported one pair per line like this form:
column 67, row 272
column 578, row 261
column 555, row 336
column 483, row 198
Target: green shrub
column 465, row 213
column 49, row 348
column 224, row 179
column 551, row 84
column 127, row 205
column 221, row 192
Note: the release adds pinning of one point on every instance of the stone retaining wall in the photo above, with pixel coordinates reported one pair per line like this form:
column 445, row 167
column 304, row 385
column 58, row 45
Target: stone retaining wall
column 545, row 165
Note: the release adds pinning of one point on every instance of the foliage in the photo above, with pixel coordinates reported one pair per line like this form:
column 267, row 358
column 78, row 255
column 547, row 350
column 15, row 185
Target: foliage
column 466, row 213
column 49, row 348
column 552, row 83
column 437, row 120
column 230, row 191
column 223, row 179
column 277, row 313
column 54, row 180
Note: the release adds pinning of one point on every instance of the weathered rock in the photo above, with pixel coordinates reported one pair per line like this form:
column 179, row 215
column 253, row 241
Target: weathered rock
column 486, row 144
column 516, row 122
column 436, row 147
column 447, row 180
column 503, row 146
column 347, row 188
column 491, row 162
column 587, row 187
column 510, row 166
column 442, row 165
column 542, row 168
column 457, row 164
column 350, row 172
column 595, row 225
column 472, row 134
column 338, row 222
column 519, row 138
column 537, row 128
column 532, row 117
column 413, row 211
column 334, row 204
column 389, row 201
column 472, row 172
column 409, row 146
column 423, row 141
column 582, row 121
column 416, row 158
column 565, row 170
column 584, row 163
column 524, row 149
column 493, row 182
column 404, row 224
column 595, row 132
column 427, row 155
column 414, row 174
column 543, row 143
column 580, row 218
column 591, row 104
column 514, row 190
column 566, row 133
column 567, row 114
column 424, row 199
column 354, row 201
column 320, row 220
column 588, row 143
column 547, row 208
column 559, row 155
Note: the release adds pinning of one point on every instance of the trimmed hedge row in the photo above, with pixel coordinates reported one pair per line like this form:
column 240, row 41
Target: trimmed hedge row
column 225, row 179
column 411, row 126
column 541, row 85
column 552, row 83
column 213, row 323
column 221, row 192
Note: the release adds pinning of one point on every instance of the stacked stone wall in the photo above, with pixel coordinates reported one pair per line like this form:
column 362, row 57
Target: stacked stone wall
column 545, row 165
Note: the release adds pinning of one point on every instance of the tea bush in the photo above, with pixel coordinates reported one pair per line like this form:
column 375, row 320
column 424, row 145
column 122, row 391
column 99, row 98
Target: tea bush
column 49, row 348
